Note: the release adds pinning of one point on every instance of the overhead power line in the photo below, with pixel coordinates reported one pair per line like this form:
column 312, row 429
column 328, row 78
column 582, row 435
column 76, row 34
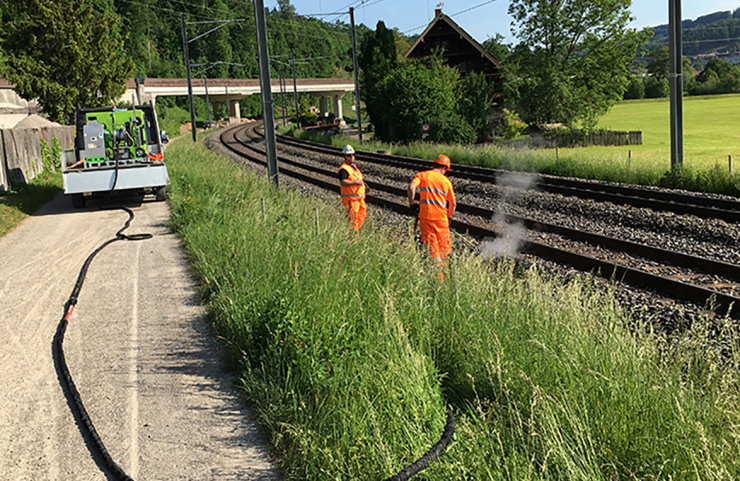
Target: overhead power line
column 453, row 15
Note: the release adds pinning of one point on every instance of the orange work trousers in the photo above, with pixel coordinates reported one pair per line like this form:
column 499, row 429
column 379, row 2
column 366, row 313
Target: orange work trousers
column 435, row 234
column 356, row 210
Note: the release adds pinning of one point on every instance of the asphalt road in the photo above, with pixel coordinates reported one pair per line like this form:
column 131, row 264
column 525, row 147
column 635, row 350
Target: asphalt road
column 146, row 366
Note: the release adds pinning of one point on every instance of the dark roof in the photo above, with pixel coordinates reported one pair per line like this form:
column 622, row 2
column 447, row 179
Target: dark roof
column 459, row 49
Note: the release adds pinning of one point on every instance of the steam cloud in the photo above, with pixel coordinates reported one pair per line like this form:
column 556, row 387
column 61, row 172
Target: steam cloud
column 512, row 234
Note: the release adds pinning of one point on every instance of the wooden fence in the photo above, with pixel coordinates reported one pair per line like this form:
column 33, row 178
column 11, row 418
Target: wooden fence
column 20, row 152
column 610, row 138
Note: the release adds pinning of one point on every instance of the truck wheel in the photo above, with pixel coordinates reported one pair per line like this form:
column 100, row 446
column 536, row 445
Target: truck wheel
column 78, row 201
column 161, row 193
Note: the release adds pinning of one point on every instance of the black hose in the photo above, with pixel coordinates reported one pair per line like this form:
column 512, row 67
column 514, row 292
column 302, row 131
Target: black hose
column 431, row 455
column 73, row 396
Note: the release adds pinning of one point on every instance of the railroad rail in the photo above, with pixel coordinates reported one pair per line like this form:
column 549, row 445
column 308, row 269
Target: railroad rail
column 692, row 278
column 677, row 202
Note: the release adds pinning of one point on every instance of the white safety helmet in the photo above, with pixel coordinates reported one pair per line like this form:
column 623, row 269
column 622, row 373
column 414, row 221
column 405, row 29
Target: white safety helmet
column 348, row 150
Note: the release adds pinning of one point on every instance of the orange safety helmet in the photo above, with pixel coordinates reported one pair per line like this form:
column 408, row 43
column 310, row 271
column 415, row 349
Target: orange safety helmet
column 442, row 159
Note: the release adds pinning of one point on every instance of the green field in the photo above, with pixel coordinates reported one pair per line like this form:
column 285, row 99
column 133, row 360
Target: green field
column 711, row 130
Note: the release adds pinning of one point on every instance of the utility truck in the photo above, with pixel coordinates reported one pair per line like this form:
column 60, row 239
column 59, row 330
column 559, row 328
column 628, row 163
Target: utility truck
column 117, row 151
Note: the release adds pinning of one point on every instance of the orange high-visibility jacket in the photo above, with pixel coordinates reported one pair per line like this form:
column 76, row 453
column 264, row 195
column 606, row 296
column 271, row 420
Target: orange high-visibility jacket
column 351, row 192
column 434, row 191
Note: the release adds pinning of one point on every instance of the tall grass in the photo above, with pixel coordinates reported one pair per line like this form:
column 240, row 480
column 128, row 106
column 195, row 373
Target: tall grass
column 24, row 200
column 351, row 351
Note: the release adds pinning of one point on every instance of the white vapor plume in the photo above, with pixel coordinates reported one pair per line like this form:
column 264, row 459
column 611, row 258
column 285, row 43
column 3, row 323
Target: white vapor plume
column 515, row 179
column 508, row 243
column 512, row 234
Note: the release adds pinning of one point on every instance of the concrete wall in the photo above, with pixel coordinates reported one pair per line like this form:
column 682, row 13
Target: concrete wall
column 20, row 152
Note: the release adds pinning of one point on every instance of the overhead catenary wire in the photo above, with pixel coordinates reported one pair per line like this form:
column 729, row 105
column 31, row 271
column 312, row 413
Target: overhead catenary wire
column 452, row 15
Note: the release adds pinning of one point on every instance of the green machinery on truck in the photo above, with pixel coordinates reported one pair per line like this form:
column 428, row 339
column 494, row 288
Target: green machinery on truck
column 117, row 150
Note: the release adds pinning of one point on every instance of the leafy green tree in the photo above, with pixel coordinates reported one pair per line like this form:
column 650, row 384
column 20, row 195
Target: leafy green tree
column 423, row 92
column 656, row 88
column 496, row 46
column 402, row 44
column 475, row 103
column 511, row 126
column 659, row 64
column 718, row 77
column 718, row 66
column 574, row 57
column 635, row 90
column 377, row 58
column 65, row 55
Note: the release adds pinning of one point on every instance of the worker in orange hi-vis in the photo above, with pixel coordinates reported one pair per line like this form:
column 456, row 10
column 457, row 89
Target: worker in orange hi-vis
column 352, row 189
column 436, row 205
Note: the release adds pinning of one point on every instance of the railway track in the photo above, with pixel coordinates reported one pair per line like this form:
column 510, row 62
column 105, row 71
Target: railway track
column 679, row 203
column 675, row 274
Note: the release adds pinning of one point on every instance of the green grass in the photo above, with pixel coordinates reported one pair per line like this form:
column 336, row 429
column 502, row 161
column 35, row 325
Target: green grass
column 710, row 129
column 23, row 201
column 351, row 351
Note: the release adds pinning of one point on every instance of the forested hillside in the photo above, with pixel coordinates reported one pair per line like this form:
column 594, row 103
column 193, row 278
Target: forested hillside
column 718, row 31
column 154, row 39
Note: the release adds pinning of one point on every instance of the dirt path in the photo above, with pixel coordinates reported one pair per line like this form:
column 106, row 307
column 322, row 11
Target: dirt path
column 137, row 347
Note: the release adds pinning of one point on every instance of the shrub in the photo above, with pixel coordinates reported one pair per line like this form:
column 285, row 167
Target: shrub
column 511, row 125
column 56, row 152
column 46, row 157
column 452, row 129
column 716, row 179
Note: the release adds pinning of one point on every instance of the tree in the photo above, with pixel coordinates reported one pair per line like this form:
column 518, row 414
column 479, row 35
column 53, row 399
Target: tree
column 377, row 58
column 656, row 88
column 574, row 59
column 475, row 103
column 635, row 90
column 65, row 55
column 496, row 46
column 402, row 44
column 423, row 92
column 510, row 126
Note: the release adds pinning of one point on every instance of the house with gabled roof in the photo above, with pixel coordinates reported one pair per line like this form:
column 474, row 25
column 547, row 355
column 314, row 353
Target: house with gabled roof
column 457, row 47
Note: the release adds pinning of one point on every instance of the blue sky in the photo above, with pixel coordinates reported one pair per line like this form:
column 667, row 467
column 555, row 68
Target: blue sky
column 480, row 18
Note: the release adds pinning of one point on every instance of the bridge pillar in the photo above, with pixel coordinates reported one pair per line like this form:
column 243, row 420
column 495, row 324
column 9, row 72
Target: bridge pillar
column 234, row 112
column 323, row 108
column 338, row 108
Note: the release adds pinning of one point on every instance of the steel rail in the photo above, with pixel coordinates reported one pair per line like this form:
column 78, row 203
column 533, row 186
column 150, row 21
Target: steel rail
column 720, row 302
column 708, row 266
column 680, row 203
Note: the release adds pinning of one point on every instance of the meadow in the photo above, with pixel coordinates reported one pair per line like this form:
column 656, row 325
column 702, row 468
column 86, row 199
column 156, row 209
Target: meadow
column 351, row 352
column 711, row 130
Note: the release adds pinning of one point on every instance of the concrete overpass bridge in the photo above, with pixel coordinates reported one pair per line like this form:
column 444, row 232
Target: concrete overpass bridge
column 330, row 91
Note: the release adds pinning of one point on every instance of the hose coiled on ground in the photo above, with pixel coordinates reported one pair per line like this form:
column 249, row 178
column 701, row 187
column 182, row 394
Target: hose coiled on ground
column 70, row 390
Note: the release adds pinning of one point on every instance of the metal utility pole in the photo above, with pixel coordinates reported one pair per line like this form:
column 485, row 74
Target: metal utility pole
column 208, row 102
column 676, row 81
column 190, row 81
column 295, row 91
column 267, row 113
column 282, row 92
column 354, row 65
